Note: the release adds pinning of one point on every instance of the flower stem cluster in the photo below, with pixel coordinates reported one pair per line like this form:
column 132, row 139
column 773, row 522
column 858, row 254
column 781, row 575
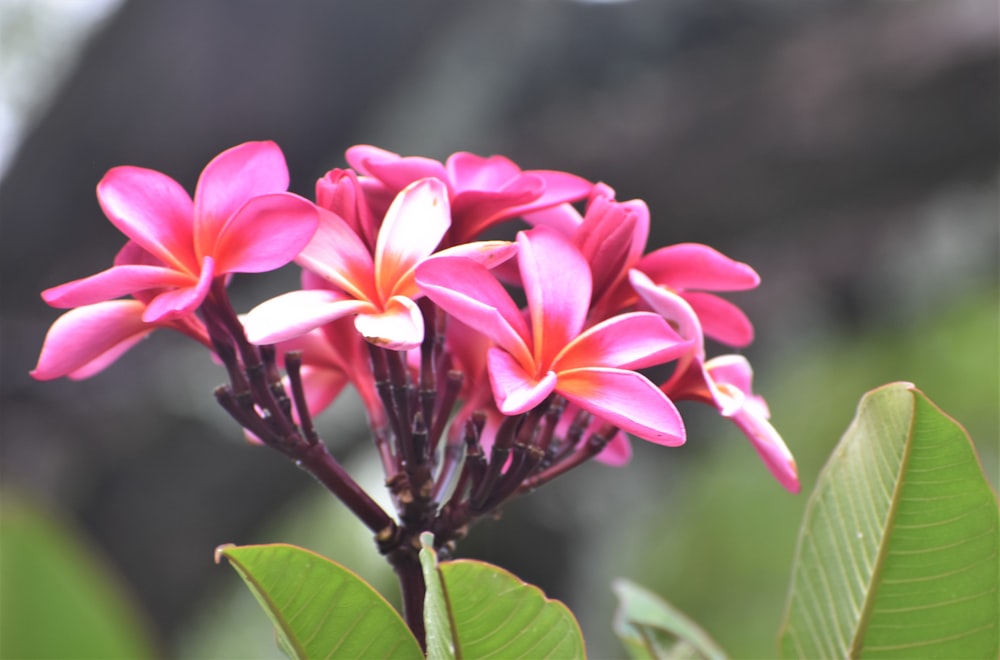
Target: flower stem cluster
column 472, row 398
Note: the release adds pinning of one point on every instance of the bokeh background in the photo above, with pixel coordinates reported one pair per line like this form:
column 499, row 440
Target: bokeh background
column 847, row 150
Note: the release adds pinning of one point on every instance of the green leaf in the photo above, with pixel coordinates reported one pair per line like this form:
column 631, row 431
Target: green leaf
column 490, row 613
column 319, row 608
column 898, row 553
column 57, row 598
column 649, row 627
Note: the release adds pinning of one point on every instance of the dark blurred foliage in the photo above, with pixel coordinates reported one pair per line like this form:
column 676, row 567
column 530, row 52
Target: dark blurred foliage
column 847, row 150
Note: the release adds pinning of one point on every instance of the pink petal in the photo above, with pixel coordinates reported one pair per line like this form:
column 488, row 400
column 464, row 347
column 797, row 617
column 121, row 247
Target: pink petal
column 563, row 218
column 732, row 370
column 695, row 266
column 720, row 319
column 87, row 339
column 296, row 313
column 392, row 169
column 414, row 225
column 322, row 387
column 557, row 284
column 515, row 390
column 471, row 172
column 468, row 291
column 627, row 341
column 559, row 187
column 340, row 192
column 183, row 301
column 266, row 233
column 618, row 452
column 399, row 328
column 113, row 283
column 625, row 399
column 339, row 255
column 153, row 210
column 230, row 181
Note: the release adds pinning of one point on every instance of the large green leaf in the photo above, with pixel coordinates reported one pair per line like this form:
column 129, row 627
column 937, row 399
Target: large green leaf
column 650, row 627
column 493, row 614
column 319, row 608
column 898, row 553
column 57, row 597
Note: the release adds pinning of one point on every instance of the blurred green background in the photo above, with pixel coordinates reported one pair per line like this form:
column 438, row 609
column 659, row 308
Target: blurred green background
column 848, row 151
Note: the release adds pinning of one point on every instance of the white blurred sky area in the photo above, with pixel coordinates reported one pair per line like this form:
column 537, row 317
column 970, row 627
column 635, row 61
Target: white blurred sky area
column 40, row 41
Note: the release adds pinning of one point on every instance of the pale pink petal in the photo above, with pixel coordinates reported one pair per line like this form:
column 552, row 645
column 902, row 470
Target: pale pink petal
column 153, row 210
column 770, row 447
column 466, row 290
column 671, row 307
column 487, row 253
column 627, row 341
column 114, row 283
column 183, row 301
column 618, row 452
column 87, row 339
column 340, row 257
column 414, row 225
column 733, row 370
column 296, row 313
column 515, row 390
column 265, row 233
column 720, row 319
column 400, row 327
column 392, row 169
column 230, row 181
column 695, row 266
column 557, row 284
column 625, row 399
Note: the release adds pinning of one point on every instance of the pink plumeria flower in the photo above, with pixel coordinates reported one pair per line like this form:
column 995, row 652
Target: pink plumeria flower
column 551, row 351
column 380, row 290
column 691, row 269
column 84, row 341
column 241, row 220
column 723, row 382
column 482, row 191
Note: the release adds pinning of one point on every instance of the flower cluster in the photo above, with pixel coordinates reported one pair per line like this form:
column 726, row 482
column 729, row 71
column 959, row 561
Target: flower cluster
column 487, row 367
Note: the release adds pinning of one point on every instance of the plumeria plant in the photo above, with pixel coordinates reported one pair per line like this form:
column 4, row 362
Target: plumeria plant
column 487, row 368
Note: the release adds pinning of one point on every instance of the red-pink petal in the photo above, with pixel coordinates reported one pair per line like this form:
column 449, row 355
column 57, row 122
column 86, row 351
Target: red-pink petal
column 229, row 181
column 414, row 225
column 340, row 257
column 557, row 284
column 625, row 399
column 322, row 387
column 266, row 233
column 87, row 339
column 696, row 266
column 466, row 290
column 672, row 307
column 515, row 390
column 296, row 313
column 720, row 319
column 153, row 210
column 627, row 341
column 183, row 301
column 113, row 283
column 399, row 327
